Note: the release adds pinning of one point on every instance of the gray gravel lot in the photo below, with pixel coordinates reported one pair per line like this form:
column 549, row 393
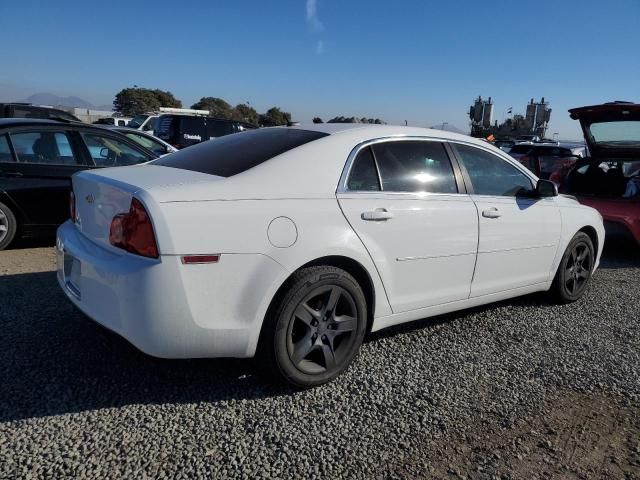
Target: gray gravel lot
column 519, row 389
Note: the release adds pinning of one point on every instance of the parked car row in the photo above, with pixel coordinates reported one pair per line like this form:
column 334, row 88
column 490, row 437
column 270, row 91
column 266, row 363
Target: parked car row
column 609, row 179
column 549, row 161
column 37, row 160
column 606, row 173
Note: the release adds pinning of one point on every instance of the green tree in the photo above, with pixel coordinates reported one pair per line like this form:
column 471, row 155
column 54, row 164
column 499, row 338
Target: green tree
column 217, row 107
column 317, row 120
column 135, row 100
column 274, row 117
column 342, row 119
column 248, row 114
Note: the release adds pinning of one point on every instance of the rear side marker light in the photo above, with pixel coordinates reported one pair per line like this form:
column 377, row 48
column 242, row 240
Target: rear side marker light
column 195, row 259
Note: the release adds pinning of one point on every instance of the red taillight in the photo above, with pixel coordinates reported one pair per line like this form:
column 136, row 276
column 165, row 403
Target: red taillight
column 72, row 206
column 133, row 231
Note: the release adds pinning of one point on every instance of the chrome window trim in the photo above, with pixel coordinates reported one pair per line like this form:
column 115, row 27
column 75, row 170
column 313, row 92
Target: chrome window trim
column 346, row 171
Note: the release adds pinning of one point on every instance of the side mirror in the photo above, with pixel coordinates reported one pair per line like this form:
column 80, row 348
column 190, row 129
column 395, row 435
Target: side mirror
column 104, row 152
column 546, row 188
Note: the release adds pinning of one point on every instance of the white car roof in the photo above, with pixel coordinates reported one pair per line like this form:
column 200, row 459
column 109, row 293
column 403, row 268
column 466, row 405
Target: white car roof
column 310, row 171
column 374, row 131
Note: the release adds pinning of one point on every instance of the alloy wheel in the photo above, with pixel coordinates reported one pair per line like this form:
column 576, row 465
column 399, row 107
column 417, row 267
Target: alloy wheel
column 578, row 268
column 4, row 226
column 322, row 329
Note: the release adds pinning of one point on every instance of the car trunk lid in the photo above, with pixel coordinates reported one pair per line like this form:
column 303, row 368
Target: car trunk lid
column 607, row 113
column 102, row 194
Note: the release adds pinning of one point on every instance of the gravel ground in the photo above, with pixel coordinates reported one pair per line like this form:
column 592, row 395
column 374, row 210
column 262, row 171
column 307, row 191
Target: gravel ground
column 519, row 389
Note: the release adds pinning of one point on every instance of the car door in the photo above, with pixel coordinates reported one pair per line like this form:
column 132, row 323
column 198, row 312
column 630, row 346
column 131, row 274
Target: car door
column 40, row 176
column 519, row 233
column 406, row 201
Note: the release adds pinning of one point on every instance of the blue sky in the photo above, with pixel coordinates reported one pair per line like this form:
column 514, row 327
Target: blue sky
column 415, row 60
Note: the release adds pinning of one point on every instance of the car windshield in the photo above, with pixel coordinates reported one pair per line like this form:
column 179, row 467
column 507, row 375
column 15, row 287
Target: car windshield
column 136, row 121
column 616, row 133
column 147, row 142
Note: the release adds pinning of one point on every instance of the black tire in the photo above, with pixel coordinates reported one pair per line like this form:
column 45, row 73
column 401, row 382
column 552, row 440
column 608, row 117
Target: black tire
column 8, row 226
column 575, row 269
column 314, row 331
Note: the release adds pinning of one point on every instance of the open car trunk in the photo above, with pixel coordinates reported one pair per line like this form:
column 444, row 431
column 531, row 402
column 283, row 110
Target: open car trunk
column 613, row 178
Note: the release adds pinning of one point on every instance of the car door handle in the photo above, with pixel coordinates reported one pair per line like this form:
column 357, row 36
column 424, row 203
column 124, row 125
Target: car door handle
column 493, row 212
column 377, row 215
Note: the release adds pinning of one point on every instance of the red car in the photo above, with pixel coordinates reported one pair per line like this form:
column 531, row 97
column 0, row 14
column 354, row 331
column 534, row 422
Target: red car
column 609, row 180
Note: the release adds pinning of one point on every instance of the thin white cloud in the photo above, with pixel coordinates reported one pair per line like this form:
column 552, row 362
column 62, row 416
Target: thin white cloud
column 312, row 16
column 320, row 47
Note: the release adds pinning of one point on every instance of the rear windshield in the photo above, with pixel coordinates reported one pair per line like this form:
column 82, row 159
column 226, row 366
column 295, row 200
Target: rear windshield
column 520, row 149
column 232, row 154
column 616, row 133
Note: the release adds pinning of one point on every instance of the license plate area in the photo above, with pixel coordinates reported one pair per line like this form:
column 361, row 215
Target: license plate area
column 72, row 269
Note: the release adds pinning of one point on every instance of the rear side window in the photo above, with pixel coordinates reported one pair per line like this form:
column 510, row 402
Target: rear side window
column 233, row 154
column 415, row 166
column 364, row 175
column 5, row 151
column 43, row 147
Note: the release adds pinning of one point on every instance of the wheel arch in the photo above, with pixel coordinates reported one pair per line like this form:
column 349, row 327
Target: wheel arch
column 593, row 235
column 351, row 266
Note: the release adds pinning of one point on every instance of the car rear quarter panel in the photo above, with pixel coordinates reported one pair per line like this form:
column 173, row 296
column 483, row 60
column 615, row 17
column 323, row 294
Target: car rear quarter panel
column 240, row 227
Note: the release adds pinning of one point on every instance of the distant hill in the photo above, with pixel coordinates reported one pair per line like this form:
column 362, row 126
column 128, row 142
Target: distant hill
column 449, row 128
column 56, row 101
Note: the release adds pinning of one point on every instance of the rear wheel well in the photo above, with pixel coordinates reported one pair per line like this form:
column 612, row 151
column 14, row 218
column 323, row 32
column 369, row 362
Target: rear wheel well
column 354, row 268
column 593, row 235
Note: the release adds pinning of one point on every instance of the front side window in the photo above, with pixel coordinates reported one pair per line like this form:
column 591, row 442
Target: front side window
column 5, row 151
column 43, row 147
column 364, row 175
column 414, row 166
column 491, row 175
column 109, row 152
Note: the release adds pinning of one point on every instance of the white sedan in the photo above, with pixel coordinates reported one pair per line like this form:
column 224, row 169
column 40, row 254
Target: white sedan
column 293, row 242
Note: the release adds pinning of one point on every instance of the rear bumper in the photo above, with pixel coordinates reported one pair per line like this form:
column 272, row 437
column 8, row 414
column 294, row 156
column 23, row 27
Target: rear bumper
column 165, row 308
